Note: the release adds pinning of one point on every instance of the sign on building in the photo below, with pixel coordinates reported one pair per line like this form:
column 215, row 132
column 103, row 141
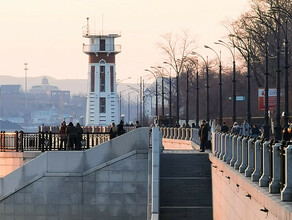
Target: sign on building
column 272, row 99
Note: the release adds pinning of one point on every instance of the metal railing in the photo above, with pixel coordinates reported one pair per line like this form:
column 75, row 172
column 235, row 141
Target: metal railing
column 46, row 141
column 96, row 48
column 263, row 161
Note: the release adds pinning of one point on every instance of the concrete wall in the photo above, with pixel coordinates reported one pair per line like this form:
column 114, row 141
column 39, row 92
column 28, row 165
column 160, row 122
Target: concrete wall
column 236, row 197
column 109, row 181
column 173, row 144
column 10, row 161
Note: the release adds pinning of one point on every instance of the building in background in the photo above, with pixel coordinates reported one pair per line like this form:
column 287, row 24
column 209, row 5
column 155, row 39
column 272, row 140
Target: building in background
column 102, row 106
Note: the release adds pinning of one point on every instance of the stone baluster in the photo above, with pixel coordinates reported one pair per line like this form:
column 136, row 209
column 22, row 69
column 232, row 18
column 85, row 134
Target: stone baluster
column 222, row 146
column 239, row 153
column 250, row 153
column 234, row 150
column 187, row 134
column 171, row 133
column 179, row 133
column 243, row 164
column 264, row 179
column 175, row 133
column 274, row 186
column 228, row 145
column 216, row 143
column 286, row 193
column 257, row 156
column 183, row 133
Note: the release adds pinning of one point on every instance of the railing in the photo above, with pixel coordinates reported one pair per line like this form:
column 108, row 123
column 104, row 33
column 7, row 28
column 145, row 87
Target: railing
column 96, row 48
column 46, row 141
column 263, row 161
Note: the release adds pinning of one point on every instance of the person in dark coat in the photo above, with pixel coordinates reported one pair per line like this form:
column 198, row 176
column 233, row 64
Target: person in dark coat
column 63, row 136
column 71, row 133
column 224, row 128
column 79, row 132
column 204, row 135
column 113, row 130
column 255, row 131
column 121, row 129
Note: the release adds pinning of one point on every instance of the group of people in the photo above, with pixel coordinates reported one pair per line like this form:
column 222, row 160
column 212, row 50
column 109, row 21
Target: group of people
column 119, row 129
column 203, row 135
column 71, row 136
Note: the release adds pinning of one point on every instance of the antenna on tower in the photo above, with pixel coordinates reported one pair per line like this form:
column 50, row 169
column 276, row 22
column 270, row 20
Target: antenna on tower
column 102, row 22
column 87, row 26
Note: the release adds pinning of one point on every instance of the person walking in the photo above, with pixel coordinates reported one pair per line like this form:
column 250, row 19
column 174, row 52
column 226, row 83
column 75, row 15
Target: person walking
column 113, row 130
column 79, row 132
column 63, row 136
column 235, row 128
column 204, row 129
column 121, row 129
column 224, row 128
column 245, row 128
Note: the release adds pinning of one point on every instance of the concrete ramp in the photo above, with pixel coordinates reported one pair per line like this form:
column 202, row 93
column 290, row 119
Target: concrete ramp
column 109, row 181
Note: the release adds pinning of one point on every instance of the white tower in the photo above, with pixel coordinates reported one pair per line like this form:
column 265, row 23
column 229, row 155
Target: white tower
column 102, row 100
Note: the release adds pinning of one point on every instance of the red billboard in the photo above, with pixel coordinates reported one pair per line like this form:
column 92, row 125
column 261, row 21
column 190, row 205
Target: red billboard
column 272, row 99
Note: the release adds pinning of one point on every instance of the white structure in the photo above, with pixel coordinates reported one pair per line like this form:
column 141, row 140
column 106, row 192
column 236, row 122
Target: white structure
column 102, row 100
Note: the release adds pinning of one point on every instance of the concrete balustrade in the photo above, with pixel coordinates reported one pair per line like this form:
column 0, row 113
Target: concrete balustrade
column 182, row 133
column 264, row 179
column 175, row 133
column 274, row 186
column 239, row 153
column 286, row 193
column 243, row 164
column 187, row 137
column 234, row 150
column 252, row 157
column 179, row 133
column 250, row 153
column 257, row 156
column 171, row 133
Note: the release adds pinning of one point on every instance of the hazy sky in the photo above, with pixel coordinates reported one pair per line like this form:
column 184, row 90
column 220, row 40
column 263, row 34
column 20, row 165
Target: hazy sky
column 47, row 34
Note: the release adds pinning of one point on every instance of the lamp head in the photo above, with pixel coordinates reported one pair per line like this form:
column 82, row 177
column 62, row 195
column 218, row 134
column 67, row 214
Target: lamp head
column 206, row 46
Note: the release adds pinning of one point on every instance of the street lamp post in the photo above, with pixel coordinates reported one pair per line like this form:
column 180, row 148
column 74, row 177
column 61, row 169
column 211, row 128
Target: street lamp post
column 162, row 86
column 207, row 85
column 220, row 84
column 156, row 91
column 233, row 80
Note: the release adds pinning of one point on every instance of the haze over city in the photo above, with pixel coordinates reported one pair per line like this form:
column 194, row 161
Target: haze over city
column 48, row 34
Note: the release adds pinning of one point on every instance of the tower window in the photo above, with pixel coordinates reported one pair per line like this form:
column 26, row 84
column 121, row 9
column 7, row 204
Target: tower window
column 102, row 78
column 92, row 72
column 102, row 44
column 102, row 103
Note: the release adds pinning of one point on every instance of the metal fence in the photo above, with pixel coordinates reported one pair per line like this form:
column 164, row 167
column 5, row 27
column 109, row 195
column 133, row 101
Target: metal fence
column 45, row 141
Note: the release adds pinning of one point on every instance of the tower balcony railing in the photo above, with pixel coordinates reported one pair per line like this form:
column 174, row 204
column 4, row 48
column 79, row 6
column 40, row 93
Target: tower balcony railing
column 100, row 33
column 98, row 48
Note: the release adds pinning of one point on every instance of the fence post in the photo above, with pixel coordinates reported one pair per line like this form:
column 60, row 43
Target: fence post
column 87, row 139
column 243, row 164
column 264, row 180
column 286, row 194
column 250, row 153
column 228, row 144
column 21, row 141
column 43, row 141
column 274, row 186
column 257, row 168
column 222, row 146
column 239, row 153
column 16, row 141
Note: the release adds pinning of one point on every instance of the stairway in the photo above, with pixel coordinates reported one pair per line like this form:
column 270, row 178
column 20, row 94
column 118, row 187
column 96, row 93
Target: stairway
column 185, row 186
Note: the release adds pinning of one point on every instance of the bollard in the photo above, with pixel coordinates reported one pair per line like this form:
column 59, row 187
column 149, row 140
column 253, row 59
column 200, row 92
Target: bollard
column 270, row 151
column 239, row 153
column 250, row 157
column 264, row 179
column 222, row 146
column 274, row 186
column 234, row 150
column 257, row 156
column 286, row 193
column 243, row 164
column 225, row 147
column 282, row 164
column 227, row 155
column 217, row 136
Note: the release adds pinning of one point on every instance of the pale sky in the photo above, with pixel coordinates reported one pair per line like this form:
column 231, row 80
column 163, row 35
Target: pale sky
column 47, row 34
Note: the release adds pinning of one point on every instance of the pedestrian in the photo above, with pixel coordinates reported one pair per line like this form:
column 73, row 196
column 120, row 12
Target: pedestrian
column 137, row 125
column 121, row 129
column 79, row 132
column 235, row 128
column 255, row 131
column 218, row 128
column 71, row 133
column 224, row 128
column 63, row 136
column 113, row 130
column 204, row 129
column 245, row 128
